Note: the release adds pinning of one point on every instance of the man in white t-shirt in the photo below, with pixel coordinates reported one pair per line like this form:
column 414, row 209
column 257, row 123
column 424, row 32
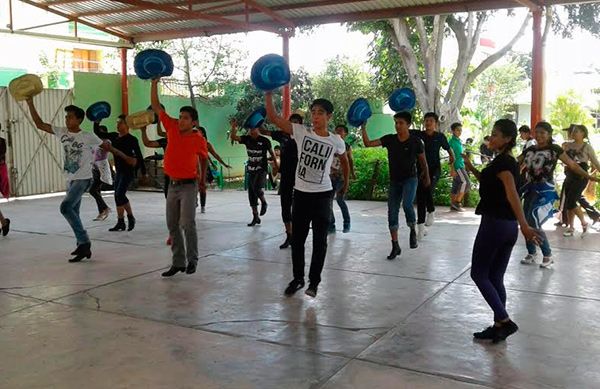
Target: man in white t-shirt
column 313, row 191
column 78, row 148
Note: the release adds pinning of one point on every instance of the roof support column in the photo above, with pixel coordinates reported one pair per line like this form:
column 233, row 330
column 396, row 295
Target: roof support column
column 124, row 87
column 287, row 92
column 537, row 78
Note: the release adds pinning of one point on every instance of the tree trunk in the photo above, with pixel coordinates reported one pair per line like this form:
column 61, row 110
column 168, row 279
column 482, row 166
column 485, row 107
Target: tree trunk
column 187, row 70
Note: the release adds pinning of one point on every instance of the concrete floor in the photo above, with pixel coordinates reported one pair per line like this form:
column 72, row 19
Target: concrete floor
column 113, row 322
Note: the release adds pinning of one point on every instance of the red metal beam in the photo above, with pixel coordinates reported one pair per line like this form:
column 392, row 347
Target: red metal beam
column 76, row 19
column 287, row 92
column 537, row 77
column 124, row 86
column 274, row 15
column 199, row 15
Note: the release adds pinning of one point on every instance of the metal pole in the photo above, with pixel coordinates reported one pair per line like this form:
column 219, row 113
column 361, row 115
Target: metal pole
column 537, row 78
column 287, row 93
column 124, row 88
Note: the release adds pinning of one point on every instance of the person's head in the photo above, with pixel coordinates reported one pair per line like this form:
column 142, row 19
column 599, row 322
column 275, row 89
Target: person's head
column 188, row 118
column 296, row 118
column 486, row 140
column 122, row 126
column 469, row 141
column 525, row 132
column 320, row 112
column 504, row 136
column 254, row 132
column 402, row 122
column 74, row 116
column 579, row 132
column 543, row 133
column 456, row 129
column 341, row 130
column 203, row 131
column 431, row 120
column 277, row 150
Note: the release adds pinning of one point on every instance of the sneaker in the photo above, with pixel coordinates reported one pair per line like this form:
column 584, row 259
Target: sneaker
column 569, row 232
column 429, row 219
column 546, row 263
column 413, row 239
column 488, row 333
column 456, row 207
column 293, row 287
column 504, row 331
column 102, row 215
column 202, row 210
column 311, row 290
column 529, row 259
column 346, row 228
column 420, row 231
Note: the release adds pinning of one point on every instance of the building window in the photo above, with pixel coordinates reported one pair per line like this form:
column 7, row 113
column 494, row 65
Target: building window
column 86, row 60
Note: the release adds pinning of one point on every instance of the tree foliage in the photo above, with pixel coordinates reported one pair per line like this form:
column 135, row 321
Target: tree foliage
column 342, row 82
column 568, row 109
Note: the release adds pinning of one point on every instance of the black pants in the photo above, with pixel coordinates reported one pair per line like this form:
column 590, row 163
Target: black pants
column 307, row 209
column 122, row 182
column 95, row 191
column 256, row 184
column 286, row 193
column 425, row 196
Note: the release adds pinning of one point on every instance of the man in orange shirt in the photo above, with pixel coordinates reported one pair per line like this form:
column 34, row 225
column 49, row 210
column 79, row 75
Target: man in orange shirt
column 185, row 163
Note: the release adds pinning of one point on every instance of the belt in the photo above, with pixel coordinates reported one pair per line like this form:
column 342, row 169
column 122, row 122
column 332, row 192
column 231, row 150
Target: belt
column 184, row 181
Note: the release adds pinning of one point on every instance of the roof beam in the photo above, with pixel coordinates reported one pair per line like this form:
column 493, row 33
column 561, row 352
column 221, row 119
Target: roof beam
column 531, row 4
column 199, row 15
column 78, row 20
column 268, row 11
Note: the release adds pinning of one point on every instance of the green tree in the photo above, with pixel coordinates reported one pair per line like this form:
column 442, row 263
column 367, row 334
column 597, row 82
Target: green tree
column 568, row 109
column 342, row 82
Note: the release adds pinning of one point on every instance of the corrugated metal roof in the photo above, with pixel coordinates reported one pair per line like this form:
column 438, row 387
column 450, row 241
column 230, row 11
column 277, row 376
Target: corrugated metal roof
column 139, row 20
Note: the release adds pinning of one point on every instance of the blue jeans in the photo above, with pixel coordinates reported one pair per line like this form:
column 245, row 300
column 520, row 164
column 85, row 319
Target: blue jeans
column 338, row 184
column 69, row 208
column 402, row 192
column 528, row 202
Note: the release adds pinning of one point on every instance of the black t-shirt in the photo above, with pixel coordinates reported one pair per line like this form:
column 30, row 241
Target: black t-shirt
column 402, row 156
column 257, row 152
column 289, row 155
column 128, row 145
column 491, row 189
column 540, row 163
column 433, row 144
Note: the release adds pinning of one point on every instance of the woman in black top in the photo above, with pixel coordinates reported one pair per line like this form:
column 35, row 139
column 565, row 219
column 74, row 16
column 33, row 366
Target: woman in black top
column 4, row 186
column 128, row 144
column 500, row 210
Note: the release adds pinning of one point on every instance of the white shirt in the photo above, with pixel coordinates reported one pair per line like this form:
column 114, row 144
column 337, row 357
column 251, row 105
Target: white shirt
column 79, row 148
column 529, row 143
column 315, row 156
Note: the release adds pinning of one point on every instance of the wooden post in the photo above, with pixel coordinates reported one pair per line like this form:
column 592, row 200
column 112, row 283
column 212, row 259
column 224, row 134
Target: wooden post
column 124, row 87
column 537, row 78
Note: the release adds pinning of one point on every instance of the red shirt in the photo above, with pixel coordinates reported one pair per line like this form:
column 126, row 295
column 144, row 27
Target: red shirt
column 183, row 150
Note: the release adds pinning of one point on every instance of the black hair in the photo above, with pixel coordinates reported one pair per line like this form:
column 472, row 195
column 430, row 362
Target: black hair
column 78, row 112
column 454, row 126
column 342, row 126
column 102, row 129
column 581, row 128
column 296, row 117
column 508, row 128
column 122, row 117
column 191, row 110
column 203, row 131
column 277, row 147
column 323, row 103
column 431, row 115
column 487, row 137
column 404, row 115
column 524, row 128
column 544, row 126
column 469, row 140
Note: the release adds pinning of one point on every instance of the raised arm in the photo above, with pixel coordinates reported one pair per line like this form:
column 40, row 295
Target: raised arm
column 146, row 141
column 282, row 123
column 39, row 123
column 154, row 97
column 365, row 137
column 212, row 151
column 234, row 127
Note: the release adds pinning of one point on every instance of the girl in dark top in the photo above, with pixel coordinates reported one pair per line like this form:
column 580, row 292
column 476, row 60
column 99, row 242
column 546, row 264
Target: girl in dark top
column 4, row 186
column 500, row 210
column 128, row 144
column 539, row 192
column 209, row 175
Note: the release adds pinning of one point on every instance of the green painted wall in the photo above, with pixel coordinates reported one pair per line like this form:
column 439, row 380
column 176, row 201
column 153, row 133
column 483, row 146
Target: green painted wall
column 92, row 87
column 8, row 74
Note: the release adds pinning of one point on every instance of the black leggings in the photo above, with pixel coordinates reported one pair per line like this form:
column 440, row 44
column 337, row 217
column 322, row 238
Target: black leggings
column 256, row 183
column 307, row 209
column 425, row 196
column 122, row 181
column 573, row 188
column 286, row 193
column 95, row 191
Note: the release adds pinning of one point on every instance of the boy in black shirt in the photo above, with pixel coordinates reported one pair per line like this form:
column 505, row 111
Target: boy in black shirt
column 257, row 147
column 404, row 149
column 289, row 161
